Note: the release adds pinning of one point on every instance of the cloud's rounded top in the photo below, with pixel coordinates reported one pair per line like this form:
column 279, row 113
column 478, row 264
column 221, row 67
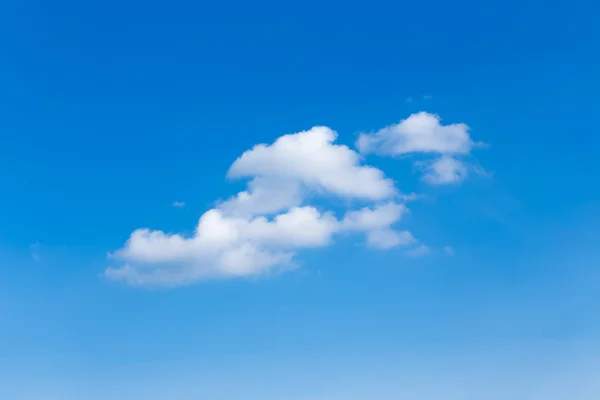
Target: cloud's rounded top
column 312, row 158
column 419, row 133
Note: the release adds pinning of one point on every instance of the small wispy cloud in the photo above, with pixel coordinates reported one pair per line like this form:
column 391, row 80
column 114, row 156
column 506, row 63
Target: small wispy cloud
column 178, row 204
column 34, row 251
column 420, row 251
column 449, row 250
column 411, row 99
column 411, row 197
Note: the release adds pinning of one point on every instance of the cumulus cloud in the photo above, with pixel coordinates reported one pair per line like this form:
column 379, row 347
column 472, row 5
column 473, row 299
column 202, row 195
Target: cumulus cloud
column 423, row 133
column 260, row 229
column 311, row 158
column 221, row 246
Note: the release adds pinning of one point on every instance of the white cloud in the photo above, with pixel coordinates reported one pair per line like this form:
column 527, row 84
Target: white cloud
column 311, row 158
column 221, row 246
column 178, row 204
column 423, row 133
column 225, row 246
column 260, row 229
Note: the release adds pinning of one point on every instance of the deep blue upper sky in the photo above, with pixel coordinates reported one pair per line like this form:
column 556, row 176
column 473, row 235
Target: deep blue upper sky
column 111, row 111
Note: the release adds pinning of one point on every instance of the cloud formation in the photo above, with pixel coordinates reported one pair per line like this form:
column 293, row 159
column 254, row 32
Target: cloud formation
column 260, row 229
column 423, row 133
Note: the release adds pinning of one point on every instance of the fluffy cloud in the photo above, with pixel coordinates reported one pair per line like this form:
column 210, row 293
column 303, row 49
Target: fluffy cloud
column 312, row 159
column 260, row 229
column 424, row 133
column 221, row 246
column 235, row 246
column 419, row 133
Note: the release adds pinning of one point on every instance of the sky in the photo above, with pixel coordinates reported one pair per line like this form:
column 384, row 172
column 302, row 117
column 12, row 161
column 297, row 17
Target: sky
column 299, row 201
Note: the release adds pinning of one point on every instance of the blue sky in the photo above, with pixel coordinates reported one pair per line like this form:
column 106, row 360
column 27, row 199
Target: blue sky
column 437, row 232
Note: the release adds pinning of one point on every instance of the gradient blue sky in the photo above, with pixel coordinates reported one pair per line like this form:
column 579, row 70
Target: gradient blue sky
column 111, row 111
